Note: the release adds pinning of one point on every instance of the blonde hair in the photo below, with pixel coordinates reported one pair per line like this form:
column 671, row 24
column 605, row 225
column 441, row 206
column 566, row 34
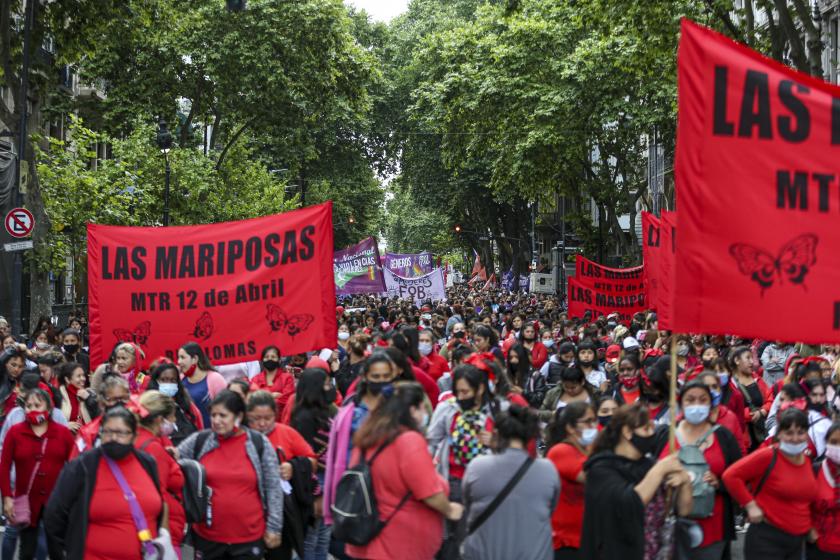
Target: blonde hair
column 156, row 404
column 131, row 349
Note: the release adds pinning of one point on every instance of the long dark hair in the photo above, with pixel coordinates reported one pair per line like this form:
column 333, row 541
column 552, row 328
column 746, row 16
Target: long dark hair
column 519, row 372
column 391, row 417
column 517, row 422
column 398, row 358
column 182, row 397
column 412, row 338
column 196, row 351
column 633, row 416
column 310, row 396
column 563, row 418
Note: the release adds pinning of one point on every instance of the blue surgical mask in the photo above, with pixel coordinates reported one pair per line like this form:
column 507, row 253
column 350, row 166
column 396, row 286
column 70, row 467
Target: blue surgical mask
column 168, row 389
column 716, row 396
column 588, row 436
column 793, row 449
column 425, row 348
column 724, row 379
column 548, row 343
column 696, row 414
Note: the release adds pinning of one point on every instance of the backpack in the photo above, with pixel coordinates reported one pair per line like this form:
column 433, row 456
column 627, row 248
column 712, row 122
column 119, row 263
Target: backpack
column 197, row 495
column 692, row 459
column 536, row 390
column 355, row 515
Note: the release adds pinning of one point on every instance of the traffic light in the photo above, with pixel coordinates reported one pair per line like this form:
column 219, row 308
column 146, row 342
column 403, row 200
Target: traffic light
column 458, row 228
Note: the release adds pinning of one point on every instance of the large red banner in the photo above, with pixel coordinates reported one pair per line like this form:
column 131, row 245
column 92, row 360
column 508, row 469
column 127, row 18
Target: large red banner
column 665, row 290
column 598, row 301
column 650, row 255
column 590, row 273
column 232, row 287
column 757, row 192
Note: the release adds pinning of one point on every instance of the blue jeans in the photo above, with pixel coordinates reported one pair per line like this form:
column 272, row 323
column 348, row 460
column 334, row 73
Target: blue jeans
column 317, row 541
column 10, row 542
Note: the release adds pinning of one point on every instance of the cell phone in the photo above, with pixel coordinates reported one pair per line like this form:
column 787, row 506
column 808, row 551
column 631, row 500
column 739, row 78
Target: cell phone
column 326, row 354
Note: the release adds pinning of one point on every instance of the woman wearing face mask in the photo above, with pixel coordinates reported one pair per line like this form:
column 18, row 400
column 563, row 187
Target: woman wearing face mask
column 311, row 417
column 407, row 372
column 826, row 508
column 351, row 366
column 461, row 430
column 629, row 387
column 755, row 392
column 572, row 388
column 167, row 380
column 623, row 483
column 113, row 392
column 156, row 417
column 686, row 359
column 88, row 515
column 536, row 350
column 519, row 365
column 782, row 489
column 586, row 359
column 486, row 340
column 409, row 493
column 526, row 510
column 547, row 339
column 242, row 470
column 819, row 419
column 571, row 435
column 437, row 363
column 343, row 340
column 42, row 342
column 78, row 403
column 37, row 449
column 202, row 382
column 606, row 408
column 274, row 379
column 720, row 450
column 378, row 376
column 12, row 362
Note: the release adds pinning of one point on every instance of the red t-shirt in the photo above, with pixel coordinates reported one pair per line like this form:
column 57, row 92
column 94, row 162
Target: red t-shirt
column 111, row 530
column 289, row 441
column 437, row 365
column 787, row 494
column 416, row 531
column 283, row 383
column 236, row 505
column 567, row 519
column 826, row 510
column 630, row 396
column 713, row 525
column 171, row 480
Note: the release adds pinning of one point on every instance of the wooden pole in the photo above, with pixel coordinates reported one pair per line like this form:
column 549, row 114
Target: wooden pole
column 672, row 406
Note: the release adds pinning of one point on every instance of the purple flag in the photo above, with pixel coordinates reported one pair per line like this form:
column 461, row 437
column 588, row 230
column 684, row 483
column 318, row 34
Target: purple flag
column 358, row 269
column 409, row 265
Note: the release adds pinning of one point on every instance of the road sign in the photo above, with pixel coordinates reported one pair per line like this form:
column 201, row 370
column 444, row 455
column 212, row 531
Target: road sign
column 17, row 246
column 19, row 222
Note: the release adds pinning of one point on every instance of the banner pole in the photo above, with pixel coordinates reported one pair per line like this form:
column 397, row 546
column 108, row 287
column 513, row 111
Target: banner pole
column 672, row 405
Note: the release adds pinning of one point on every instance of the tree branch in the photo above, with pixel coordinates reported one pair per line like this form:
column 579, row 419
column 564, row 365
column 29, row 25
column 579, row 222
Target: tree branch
column 797, row 49
column 232, row 141
column 724, row 16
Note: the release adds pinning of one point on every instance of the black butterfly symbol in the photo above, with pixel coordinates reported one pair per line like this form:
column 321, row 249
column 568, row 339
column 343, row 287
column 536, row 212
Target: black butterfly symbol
column 140, row 335
column 203, row 326
column 294, row 324
column 793, row 263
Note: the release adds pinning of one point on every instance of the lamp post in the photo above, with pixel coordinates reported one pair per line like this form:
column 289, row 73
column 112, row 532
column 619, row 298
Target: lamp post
column 164, row 142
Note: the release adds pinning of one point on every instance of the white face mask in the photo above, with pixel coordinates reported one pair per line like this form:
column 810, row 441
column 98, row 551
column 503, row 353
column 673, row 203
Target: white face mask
column 343, row 335
column 425, row 348
column 793, row 449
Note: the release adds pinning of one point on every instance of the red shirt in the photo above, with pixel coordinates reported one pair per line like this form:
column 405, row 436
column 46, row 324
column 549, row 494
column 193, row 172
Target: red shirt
column 22, row 448
column 237, row 509
column 289, row 442
column 630, row 396
column 111, row 530
column 729, row 420
column 713, row 525
column 437, row 365
column 826, row 509
column 86, row 437
column 429, row 385
column 567, row 519
column 284, row 383
column 171, row 479
column 416, row 531
column 787, row 494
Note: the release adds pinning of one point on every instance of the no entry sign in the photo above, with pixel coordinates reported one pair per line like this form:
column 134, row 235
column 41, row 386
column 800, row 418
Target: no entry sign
column 19, row 222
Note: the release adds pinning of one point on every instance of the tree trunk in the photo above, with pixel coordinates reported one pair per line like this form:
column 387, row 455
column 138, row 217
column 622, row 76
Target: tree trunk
column 39, row 280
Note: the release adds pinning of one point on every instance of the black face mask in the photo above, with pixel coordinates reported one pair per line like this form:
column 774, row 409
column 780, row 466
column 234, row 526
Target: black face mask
column 707, row 364
column 604, row 420
column 71, row 348
column 459, row 335
column 271, row 365
column 376, row 387
column 644, row 444
column 467, row 404
column 116, row 450
column 589, row 364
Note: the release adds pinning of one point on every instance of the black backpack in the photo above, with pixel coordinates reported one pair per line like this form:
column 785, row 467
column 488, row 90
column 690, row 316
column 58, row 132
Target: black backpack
column 355, row 515
column 197, row 495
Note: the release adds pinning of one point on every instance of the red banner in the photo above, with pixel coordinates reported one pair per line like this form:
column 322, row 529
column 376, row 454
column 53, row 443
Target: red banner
column 665, row 292
column 650, row 255
column 583, row 298
column 757, row 192
column 232, row 287
column 589, row 273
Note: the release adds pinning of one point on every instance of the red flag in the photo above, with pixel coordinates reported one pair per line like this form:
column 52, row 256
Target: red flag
column 583, row 298
column 590, row 273
column 650, row 254
column 234, row 287
column 665, row 288
column 757, row 192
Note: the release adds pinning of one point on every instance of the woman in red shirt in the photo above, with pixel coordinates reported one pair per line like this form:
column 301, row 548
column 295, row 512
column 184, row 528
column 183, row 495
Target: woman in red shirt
column 78, row 403
column 38, row 449
column 536, row 349
column 403, row 473
column 781, row 494
column 88, row 516
column 246, row 514
column 571, row 435
column 826, row 508
column 277, row 381
column 157, row 423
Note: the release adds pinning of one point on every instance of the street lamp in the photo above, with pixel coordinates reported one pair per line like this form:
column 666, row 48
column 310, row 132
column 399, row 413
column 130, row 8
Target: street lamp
column 164, row 142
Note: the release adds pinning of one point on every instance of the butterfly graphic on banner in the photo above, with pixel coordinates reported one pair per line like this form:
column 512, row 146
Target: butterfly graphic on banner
column 203, row 326
column 794, row 261
column 140, row 335
column 292, row 324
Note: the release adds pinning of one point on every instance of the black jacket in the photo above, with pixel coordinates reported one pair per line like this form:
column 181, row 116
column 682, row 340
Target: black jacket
column 66, row 514
column 613, row 513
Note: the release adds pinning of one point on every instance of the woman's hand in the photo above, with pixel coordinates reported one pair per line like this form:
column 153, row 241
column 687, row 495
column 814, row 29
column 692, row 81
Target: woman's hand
column 455, row 512
column 271, row 540
column 286, row 471
column 754, row 513
column 677, row 479
column 486, row 438
column 9, row 509
column 813, row 535
column 74, row 426
column 710, row 479
column 173, row 451
column 669, row 464
column 83, row 394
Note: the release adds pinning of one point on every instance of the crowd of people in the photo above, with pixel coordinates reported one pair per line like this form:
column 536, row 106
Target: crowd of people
column 488, row 426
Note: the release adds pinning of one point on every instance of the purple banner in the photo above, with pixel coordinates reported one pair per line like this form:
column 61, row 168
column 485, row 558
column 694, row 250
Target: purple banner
column 358, row 269
column 409, row 265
